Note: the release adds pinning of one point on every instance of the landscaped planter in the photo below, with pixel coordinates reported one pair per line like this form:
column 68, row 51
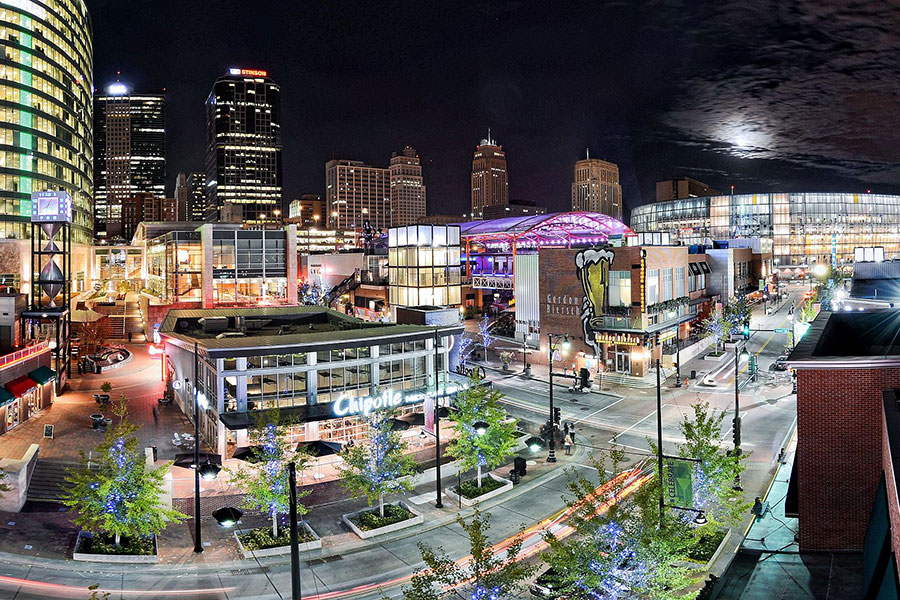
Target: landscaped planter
column 507, row 485
column 696, row 564
column 314, row 544
column 715, row 358
column 113, row 558
column 416, row 519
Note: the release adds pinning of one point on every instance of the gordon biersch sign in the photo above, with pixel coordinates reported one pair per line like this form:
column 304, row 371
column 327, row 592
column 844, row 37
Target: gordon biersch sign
column 346, row 406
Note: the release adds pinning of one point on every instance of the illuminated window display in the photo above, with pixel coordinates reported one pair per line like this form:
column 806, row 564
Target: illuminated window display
column 45, row 123
column 424, row 267
column 805, row 228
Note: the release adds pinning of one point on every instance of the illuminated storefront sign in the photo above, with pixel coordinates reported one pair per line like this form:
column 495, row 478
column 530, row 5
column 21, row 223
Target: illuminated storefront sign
column 346, row 406
column 249, row 72
column 621, row 339
column 667, row 335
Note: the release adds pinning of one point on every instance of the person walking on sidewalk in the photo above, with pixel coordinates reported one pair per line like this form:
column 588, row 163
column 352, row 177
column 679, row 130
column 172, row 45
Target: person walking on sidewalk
column 572, row 434
column 568, row 446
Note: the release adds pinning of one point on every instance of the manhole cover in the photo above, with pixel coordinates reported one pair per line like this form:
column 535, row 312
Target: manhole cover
column 585, row 408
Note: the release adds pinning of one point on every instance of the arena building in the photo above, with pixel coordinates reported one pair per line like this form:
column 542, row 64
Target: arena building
column 805, row 229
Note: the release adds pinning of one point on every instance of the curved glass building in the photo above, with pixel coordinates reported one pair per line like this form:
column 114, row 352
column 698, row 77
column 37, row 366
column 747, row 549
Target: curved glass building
column 46, row 79
column 804, row 228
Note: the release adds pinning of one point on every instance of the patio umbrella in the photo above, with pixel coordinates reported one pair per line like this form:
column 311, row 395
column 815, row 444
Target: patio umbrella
column 245, row 453
column 320, row 448
column 399, row 425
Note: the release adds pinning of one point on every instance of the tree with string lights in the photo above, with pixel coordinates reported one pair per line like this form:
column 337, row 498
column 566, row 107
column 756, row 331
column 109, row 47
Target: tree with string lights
column 114, row 493
column 485, row 435
column 265, row 481
column 380, row 466
column 484, row 332
column 486, row 576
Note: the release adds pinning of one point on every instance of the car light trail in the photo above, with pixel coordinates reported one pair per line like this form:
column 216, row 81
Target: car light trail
column 73, row 591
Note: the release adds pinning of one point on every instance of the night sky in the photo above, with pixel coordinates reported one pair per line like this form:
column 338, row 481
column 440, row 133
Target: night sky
column 765, row 95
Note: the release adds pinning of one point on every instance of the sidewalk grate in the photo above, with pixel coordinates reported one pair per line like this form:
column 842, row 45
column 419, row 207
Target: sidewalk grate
column 251, row 571
column 322, row 561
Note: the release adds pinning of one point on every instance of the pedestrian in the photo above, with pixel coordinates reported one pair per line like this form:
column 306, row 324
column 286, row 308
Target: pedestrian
column 156, row 414
column 129, row 337
column 568, row 445
column 565, row 429
column 572, row 434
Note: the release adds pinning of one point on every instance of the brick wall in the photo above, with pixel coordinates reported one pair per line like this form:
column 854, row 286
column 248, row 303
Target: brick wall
column 891, row 492
column 839, row 453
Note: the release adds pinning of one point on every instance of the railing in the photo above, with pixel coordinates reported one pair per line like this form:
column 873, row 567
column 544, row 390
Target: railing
column 26, row 352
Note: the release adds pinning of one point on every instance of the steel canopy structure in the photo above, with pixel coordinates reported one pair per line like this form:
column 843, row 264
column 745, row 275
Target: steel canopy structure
column 555, row 229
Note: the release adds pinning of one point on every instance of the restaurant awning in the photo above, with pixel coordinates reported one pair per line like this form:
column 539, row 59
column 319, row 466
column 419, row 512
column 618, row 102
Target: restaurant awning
column 20, row 386
column 695, row 268
column 704, row 266
column 5, row 397
column 43, row 375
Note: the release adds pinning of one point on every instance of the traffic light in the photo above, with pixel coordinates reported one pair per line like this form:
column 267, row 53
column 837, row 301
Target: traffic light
column 557, row 415
column 746, row 331
column 736, row 425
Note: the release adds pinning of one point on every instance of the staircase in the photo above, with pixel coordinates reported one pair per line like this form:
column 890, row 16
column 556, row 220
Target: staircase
column 46, row 480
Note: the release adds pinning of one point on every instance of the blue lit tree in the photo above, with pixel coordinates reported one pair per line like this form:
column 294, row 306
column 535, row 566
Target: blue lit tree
column 621, row 548
column 380, row 466
column 485, row 576
column 115, row 494
column 736, row 313
column 484, row 332
column 265, row 481
column 717, row 327
column 474, row 450
column 464, row 349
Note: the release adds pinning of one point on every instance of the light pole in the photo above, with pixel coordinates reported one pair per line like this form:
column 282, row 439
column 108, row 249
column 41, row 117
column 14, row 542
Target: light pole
column 198, row 545
column 295, row 547
column 551, row 457
column 677, row 360
column 659, row 441
column 739, row 356
column 437, row 427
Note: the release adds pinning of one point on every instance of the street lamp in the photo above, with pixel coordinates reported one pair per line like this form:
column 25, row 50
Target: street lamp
column 207, row 471
column 740, row 356
column 534, row 444
column 480, row 427
column 227, row 516
column 564, row 345
column 437, row 425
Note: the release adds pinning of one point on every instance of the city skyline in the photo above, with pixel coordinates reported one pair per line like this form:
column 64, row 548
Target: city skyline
column 653, row 127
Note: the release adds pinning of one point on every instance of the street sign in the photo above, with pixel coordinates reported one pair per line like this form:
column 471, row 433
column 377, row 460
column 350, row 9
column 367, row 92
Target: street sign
column 782, row 330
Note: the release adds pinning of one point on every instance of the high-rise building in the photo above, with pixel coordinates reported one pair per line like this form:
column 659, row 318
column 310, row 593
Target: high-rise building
column 356, row 193
column 686, row 187
column 243, row 145
column 596, row 187
column 46, row 123
column 196, row 196
column 181, row 196
column 129, row 152
column 490, row 182
column 307, row 211
column 407, row 188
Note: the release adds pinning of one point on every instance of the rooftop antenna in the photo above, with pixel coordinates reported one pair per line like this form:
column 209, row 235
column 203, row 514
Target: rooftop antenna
column 589, row 154
column 490, row 141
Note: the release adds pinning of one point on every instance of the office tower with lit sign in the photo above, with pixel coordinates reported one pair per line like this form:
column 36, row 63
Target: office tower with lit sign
column 490, row 180
column 407, row 188
column 243, row 146
column 129, row 152
column 46, row 126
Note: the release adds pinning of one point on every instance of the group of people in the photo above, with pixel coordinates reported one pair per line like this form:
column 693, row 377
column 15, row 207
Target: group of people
column 568, row 438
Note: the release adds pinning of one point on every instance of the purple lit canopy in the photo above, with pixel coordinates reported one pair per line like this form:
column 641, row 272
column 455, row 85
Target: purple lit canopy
column 554, row 229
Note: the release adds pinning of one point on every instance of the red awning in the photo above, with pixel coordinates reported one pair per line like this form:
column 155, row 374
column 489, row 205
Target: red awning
column 20, row 386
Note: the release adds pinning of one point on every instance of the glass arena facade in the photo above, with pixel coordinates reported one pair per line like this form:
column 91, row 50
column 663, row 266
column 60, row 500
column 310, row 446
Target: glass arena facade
column 805, row 228
column 46, row 84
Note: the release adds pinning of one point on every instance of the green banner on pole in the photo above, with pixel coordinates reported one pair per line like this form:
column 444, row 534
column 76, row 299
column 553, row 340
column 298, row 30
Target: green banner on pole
column 679, row 483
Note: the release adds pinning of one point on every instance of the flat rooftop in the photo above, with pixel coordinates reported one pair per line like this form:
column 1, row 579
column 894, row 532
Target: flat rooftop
column 263, row 328
column 847, row 339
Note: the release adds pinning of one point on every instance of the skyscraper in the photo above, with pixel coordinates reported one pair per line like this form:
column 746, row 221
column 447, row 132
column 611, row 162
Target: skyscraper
column 596, row 187
column 196, row 196
column 355, row 193
column 129, row 152
column 46, row 120
column 407, row 188
column 490, row 182
column 307, row 211
column 243, row 145
column 181, row 195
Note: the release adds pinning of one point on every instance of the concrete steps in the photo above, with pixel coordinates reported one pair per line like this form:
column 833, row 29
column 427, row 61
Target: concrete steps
column 46, row 480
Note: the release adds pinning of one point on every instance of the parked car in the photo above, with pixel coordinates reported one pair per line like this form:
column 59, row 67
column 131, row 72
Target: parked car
column 780, row 363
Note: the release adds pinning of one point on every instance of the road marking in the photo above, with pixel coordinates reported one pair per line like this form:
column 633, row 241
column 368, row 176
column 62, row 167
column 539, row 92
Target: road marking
column 586, row 417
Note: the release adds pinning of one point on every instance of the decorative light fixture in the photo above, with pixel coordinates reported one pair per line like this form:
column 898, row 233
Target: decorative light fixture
column 227, row 516
column 209, row 471
column 480, row 427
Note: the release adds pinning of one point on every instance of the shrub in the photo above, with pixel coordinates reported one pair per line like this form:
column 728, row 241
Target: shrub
column 393, row 513
column 469, row 489
column 261, row 537
column 102, row 543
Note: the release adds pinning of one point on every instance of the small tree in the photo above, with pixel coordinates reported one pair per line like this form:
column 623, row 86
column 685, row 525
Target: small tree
column 714, row 469
column 117, row 494
column 266, row 482
column 484, row 332
column 379, row 467
column 717, row 327
column 464, row 349
column 480, row 404
column 736, row 312
column 485, row 576
column 106, row 387
column 92, row 336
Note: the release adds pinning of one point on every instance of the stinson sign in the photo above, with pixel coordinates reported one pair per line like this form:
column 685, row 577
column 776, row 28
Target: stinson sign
column 364, row 405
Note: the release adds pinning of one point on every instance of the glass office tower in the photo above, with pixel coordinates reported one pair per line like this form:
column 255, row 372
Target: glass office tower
column 46, row 137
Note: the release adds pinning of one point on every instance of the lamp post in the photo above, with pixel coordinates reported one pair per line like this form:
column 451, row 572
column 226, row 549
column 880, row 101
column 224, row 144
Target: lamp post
column 295, row 542
column 437, row 427
column 677, row 360
column 551, row 456
column 198, row 546
column 659, row 443
column 739, row 356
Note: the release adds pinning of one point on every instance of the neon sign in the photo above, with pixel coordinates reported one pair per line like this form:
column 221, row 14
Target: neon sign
column 249, row 72
column 346, row 406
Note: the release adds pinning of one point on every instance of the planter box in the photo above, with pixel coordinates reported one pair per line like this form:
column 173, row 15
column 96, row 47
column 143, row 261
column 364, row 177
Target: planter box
column 507, row 485
column 416, row 519
column 114, row 558
column 712, row 559
column 315, row 544
column 715, row 358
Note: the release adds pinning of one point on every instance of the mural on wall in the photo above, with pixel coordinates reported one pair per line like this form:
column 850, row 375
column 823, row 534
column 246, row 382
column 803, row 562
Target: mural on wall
column 593, row 272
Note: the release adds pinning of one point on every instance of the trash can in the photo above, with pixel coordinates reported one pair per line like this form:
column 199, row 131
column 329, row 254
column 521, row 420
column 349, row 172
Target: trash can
column 519, row 466
column 514, row 477
column 155, row 453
